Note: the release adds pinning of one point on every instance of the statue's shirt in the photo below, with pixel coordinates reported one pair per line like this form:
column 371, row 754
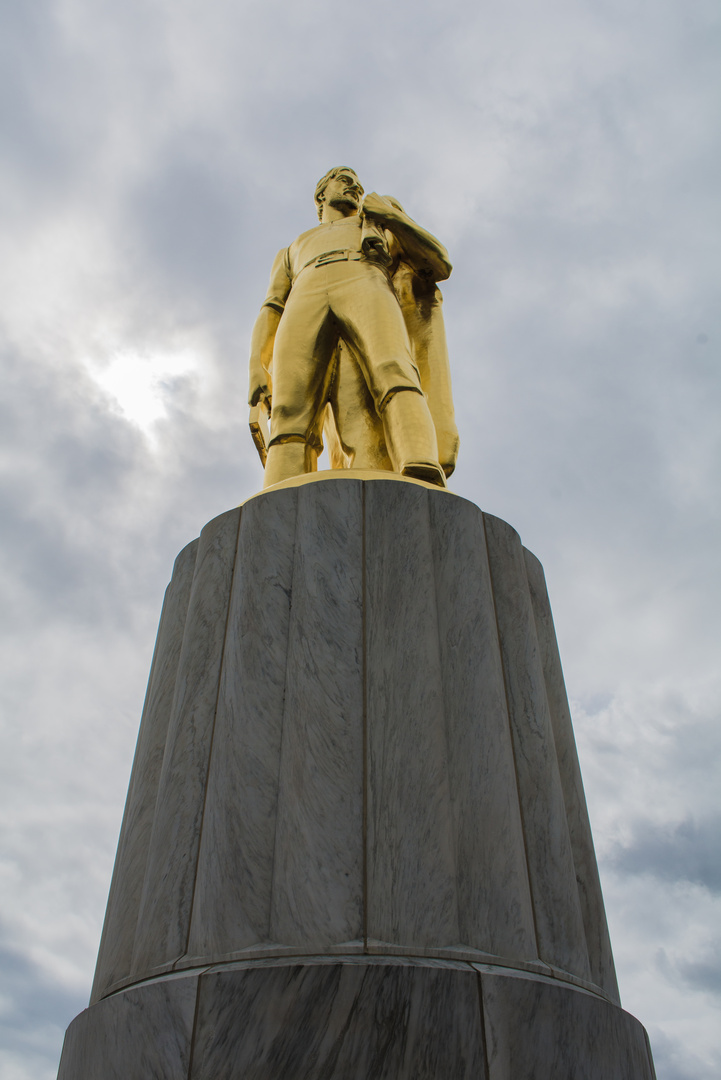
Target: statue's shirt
column 342, row 235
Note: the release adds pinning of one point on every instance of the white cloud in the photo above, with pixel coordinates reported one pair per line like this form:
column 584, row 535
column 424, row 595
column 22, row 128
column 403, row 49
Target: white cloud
column 156, row 157
column 141, row 384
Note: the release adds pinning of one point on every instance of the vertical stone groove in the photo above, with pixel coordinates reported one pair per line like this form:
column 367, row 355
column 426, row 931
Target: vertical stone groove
column 587, row 879
column 194, row 1028
column 271, row 891
column 212, row 728
column 444, row 719
column 161, row 934
column 116, row 948
column 482, row 1018
column 559, row 920
column 512, row 742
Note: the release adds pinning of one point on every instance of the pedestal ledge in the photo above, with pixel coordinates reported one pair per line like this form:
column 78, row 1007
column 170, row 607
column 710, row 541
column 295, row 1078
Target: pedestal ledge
column 355, row 1018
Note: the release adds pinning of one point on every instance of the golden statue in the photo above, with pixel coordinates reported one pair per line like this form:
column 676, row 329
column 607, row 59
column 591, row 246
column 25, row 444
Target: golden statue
column 350, row 344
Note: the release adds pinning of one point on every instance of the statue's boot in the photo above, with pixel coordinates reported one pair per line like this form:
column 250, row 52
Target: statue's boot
column 411, row 437
column 289, row 459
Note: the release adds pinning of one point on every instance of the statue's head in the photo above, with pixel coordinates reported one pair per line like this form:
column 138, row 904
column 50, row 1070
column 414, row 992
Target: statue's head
column 339, row 187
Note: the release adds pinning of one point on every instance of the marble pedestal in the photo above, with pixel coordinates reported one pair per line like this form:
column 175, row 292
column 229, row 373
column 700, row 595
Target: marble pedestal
column 355, row 842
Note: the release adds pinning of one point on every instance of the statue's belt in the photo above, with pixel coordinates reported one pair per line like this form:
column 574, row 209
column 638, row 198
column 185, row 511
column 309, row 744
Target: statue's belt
column 340, row 255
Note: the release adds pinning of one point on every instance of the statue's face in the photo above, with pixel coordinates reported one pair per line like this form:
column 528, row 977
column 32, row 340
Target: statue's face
column 343, row 191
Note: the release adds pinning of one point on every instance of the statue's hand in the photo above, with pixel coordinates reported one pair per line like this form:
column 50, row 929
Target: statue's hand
column 378, row 207
column 260, row 391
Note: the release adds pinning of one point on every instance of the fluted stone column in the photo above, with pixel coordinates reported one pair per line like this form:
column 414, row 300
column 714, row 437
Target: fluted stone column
column 355, row 842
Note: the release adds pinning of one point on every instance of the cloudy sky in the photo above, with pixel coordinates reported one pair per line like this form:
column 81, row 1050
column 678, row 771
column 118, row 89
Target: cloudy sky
column 155, row 156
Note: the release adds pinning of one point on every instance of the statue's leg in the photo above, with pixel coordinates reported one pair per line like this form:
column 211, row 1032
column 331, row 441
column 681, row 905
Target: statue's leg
column 411, row 437
column 372, row 321
column 359, row 428
column 301, row 374
column 286, row 459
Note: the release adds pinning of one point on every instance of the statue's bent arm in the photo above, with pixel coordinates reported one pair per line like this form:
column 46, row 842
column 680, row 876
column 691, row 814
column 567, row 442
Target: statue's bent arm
column 424, row 251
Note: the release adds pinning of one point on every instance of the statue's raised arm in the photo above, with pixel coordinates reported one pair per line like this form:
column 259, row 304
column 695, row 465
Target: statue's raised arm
column 427, row 254
column 349, row 336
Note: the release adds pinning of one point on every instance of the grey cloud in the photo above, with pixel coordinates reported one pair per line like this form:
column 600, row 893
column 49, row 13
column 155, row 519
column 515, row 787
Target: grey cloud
column 71, row 457
column 29, row 54
column 688, row 850
column 195, row 224
column 676, row 1060
column 703, row 974
column 84, row 492
column 36, row 1011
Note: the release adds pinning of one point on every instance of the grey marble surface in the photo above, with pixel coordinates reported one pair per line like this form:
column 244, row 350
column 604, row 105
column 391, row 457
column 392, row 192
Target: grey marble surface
column 355, row 1018
column 535, row 1031
column 235, row 866
column 163, row 923
column 410, row 842
column 116, row 947
column 339, row 1022
column 602, row 968
column 559, row 924
column 317, row 894
column 142, row 1034
column 360, row 752
column 494, row 904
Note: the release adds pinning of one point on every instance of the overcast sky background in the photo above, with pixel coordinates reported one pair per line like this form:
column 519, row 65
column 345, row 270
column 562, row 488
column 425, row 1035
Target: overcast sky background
column 155, row 156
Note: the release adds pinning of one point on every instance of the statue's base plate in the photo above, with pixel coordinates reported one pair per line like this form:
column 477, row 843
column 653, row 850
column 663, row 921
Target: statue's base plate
column 355, row 1018
column 345, row 474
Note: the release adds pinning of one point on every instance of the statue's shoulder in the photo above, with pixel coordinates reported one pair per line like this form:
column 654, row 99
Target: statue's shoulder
column 306, row 235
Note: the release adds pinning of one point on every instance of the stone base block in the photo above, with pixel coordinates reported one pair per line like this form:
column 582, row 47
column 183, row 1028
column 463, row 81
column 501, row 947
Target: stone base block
column 355, row 1019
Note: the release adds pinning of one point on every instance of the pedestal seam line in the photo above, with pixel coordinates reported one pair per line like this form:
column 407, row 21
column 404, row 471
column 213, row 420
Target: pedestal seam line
column 231, row 590
column 194, row 1029
column 282, row 718
column 535, row 622
column 484, row 1037
column 512, row 738
column 446, row 739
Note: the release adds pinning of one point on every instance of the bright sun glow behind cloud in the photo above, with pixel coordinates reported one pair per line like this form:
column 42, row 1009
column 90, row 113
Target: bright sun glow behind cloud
column 141, row 383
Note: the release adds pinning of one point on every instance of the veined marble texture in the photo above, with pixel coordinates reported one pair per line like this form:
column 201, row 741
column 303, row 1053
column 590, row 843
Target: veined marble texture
column 356, row 740
column 356, row 845
column 121, row 916
column 589, row 887
column 170, row 875
column 355, row 1018
column 143, row 1033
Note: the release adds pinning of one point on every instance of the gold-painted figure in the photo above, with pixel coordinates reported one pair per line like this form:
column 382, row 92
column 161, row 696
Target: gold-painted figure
column 350, row 342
